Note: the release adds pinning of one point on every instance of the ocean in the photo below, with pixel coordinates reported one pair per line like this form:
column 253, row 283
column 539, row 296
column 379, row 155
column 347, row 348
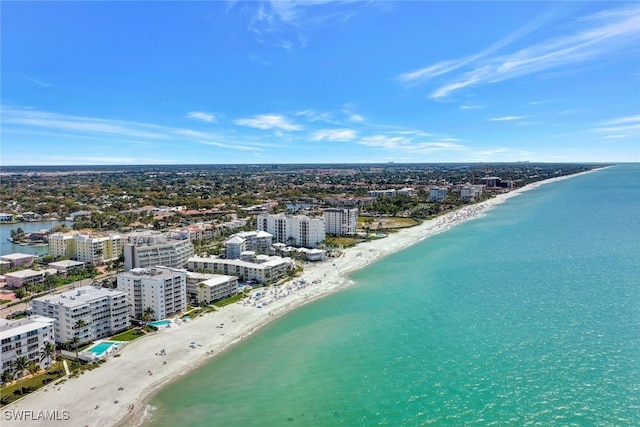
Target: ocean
column 529, row 315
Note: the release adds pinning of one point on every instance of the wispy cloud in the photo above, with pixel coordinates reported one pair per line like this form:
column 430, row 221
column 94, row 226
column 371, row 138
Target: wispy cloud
column 598, row 36
column 505, row 118
column 27, row 121
column 334, row 135
column 201, row 115
column 41, row 119
column 36, row 82
column 285, row 24
column 268, row 121
column 315, row 116
column 471, row 107
column 621, row 127
column 406, row 144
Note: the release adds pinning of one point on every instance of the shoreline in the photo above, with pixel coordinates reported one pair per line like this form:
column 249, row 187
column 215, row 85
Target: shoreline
column 120, row 390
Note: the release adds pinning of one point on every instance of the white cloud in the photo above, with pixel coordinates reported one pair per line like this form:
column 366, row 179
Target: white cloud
column 334, row 135
column 623, row 120
column 505, row 118
column 405, row 144
column 55, row 121
column 201, row 115
column 285, row 24
column 471, row 107
column 268, row 121
column 315, row 116
column 601, row 35
column 356, row 118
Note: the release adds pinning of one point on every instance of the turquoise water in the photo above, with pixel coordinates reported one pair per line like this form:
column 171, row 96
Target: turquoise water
column 101, row 348
column 160, row 323
column 527, row 316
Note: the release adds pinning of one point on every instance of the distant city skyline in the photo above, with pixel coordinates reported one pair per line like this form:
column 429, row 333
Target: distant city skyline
column 319, row 81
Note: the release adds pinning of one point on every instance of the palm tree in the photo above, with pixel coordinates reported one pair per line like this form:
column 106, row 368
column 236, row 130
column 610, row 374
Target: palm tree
column 48, row 352
column 33, row 368
column 148, row 314
column 21, row 363
column 79, row 325
column 73, row 343
column 6, row 378
column 59, row 359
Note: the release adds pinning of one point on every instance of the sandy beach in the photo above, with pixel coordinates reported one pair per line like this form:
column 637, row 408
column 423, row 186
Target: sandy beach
column 117, row 393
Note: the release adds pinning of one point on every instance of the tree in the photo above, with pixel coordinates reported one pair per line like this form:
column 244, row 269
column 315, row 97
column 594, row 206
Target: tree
column 21, row 293
column 21, row 363
column 60, row 359
column 73, row 343
column 33, row 368
column 6, row 378
column 48, row 352
column 148, row 314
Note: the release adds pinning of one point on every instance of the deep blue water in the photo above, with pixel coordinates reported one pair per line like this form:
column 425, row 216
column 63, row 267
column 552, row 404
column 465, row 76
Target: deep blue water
column 529, row 315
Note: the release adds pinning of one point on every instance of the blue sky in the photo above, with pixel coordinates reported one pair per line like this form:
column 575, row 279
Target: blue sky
column 319, row 82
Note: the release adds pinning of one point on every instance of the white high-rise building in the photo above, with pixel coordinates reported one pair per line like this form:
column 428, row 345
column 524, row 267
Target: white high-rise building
column 88, row 313
column 161, row 288
column 294, row 230
column 149, row 249
column 438, row 194
column 341, row 222
column 25, row 337
column 470, row 192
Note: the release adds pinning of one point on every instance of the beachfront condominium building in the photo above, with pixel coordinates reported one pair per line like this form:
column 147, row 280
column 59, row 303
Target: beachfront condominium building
column 255, row 241
column 438, row 194
column 25, row 337
column 470, row 192
column 207, row 288
column 92, row 247
column 269, row 269
column 160, row 291
column 148, row 249
column 88, row 312
column 341, row 222
column 294, row 230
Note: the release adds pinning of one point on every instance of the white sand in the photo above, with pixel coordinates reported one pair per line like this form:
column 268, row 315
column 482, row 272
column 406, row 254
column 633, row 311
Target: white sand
column 103, row 396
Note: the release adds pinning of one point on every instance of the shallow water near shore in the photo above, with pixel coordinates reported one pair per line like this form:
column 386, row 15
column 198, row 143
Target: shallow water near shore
column 526, row 316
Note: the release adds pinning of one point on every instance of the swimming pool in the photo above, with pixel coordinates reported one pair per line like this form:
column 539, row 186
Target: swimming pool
column 160, row 323
column 101, row 348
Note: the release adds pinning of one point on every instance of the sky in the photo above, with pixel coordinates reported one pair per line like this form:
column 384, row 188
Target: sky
column 318, row 81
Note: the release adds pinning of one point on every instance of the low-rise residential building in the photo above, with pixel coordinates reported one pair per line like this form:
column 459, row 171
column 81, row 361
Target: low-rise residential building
column 406, row 191
column 294, row 230
column 162, row 290
column 341, row 222
column 207, row 288
column 382, row 193
column 88, row 313
column 255, row 241
column 25, row 337
column 67, row 266
column 269, row 270
column 20, row 278
column 18, row 260
column 148, row 249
